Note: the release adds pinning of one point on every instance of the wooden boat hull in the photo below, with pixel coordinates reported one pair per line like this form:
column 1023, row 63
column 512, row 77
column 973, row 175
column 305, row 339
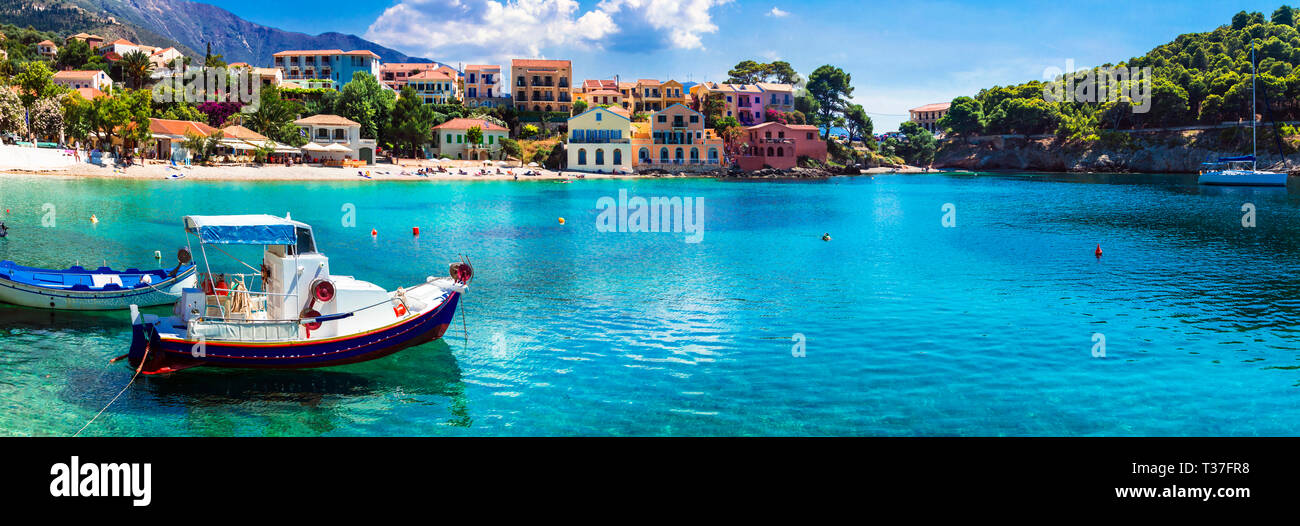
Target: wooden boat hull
column 28, row 295
column 165, row 355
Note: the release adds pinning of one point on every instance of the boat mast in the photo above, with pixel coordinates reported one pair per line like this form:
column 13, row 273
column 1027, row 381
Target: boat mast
column 1254, row 149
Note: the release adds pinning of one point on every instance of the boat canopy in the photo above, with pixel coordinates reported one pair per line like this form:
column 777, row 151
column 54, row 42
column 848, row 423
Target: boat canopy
column 245, row 229
column 1237, row 159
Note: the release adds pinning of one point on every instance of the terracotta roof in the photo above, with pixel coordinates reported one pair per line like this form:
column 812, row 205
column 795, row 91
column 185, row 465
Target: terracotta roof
column 309, row 52
column 77, row 74
column 45, row 43
column 938, row 106
column 538, row 63
column 123, row 41
column 163, row 50
column 465, row 124
column 649, row 82
column 431, row 74
column 621, row 111
column 239, row 132
column 326, row 120
column 808, row 127
column 771, row 86
column 605, row 92
column 90, row 93
column 482, row 66
column 172, row 127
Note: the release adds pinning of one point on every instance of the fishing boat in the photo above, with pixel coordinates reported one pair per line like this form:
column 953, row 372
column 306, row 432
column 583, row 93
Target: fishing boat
column 77, row 288
column 291, row 312
column 1232, row 171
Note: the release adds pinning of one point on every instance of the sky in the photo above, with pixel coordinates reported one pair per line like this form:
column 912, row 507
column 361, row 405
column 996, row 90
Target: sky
column 900, row 54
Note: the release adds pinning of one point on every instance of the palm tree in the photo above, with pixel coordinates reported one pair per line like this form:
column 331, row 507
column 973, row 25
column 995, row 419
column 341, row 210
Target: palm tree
column 137, row 67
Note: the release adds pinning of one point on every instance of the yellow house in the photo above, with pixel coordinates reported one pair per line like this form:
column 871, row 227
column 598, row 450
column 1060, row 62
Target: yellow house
column 600, row 141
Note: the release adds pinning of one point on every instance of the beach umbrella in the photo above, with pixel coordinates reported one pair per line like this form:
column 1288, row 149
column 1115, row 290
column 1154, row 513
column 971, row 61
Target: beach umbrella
column 534, row 165
column 336, row 147
column 313, row 147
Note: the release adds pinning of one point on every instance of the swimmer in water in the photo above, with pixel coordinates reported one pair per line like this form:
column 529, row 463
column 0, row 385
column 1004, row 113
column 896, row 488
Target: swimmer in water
column 826, row 236
column 4, row 230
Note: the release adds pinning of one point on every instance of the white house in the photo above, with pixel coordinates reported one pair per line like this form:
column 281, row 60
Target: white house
column 324, row 131
column 93, row 78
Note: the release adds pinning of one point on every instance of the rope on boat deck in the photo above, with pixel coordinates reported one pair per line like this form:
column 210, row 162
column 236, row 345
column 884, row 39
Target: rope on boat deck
column 119, row 393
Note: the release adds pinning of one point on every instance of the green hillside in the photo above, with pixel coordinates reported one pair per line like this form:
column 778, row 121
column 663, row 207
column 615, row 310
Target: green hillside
column 1199, row 78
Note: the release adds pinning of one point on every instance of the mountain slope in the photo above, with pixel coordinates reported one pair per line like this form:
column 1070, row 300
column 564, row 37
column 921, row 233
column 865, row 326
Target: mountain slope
column 194, row 25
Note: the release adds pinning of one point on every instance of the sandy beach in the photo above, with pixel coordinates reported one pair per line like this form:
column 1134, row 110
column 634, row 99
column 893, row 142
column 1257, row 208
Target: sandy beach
column 405, row 171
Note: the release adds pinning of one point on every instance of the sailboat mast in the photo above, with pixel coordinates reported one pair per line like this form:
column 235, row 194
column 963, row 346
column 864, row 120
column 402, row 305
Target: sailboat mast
column 1254, row 149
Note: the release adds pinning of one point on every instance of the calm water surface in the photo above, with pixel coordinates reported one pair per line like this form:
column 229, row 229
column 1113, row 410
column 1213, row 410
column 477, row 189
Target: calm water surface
column 909, row 328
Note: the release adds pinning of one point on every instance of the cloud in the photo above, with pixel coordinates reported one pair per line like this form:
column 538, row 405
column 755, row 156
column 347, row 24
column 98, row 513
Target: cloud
column 777, row 12
column 487, row 30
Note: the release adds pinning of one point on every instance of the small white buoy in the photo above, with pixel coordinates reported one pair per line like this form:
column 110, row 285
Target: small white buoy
column 157, row 254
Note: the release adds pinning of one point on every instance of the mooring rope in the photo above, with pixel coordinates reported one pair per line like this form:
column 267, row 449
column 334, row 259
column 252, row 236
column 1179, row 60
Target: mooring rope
column 119, row 393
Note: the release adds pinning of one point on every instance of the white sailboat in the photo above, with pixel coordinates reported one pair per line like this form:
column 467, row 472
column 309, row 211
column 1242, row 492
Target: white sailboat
column 1231, row 171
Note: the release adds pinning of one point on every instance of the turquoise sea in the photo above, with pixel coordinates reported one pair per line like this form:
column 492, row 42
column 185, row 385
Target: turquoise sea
column 907, row 327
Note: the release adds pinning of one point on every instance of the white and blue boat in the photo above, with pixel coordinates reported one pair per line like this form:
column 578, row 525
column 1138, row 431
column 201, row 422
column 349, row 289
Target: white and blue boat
column 78, row 288
column 291, row 312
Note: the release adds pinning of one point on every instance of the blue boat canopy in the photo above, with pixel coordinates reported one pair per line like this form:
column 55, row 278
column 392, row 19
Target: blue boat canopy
column 1240, row 158
column 244, row 229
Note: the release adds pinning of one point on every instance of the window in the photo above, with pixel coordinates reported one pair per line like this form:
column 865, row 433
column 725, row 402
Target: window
column 582, row 156
column 663, row 118
column 663, row 155
column 618, row 157
column 810, row 136
column 713, row 155
column 460, row 139
column 600, row 156
column 780, row 135
column 644, row 155
column 695, row 119
column 598, row 116
column 695, row 155
column 449, row 138
column 767, row 135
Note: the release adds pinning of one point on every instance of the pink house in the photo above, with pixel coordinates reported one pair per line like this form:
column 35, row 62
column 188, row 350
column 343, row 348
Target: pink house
column 779, row 146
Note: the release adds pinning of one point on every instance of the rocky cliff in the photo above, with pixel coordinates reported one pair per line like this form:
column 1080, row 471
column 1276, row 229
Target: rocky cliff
column 1160, row 152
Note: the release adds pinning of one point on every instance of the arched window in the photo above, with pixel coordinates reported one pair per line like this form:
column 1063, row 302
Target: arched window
column 618, row 157
column 548, row 108
column 695, row 155
column 680, row 155
column 644, row 155
column 780, row 151
column 771, row 151
column 537, row 107
column 713, row 155
column 663, row 155
column 582, row 156
column 600, row 156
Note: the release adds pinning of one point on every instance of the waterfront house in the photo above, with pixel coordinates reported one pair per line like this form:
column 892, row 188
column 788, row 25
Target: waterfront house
column 776, row 145
column 94, row 41
column 600, row 141
column 928, row 116
column 396, row 74
column 434, row 87
column 747, row 102
column 484, row 87
column 76, row 79
column 331, row 68
column 169, row 138
column 600, row 98
column 326, row 130
column 677, row 141
column 47, row 49
column 542, row 85
column 451, row 140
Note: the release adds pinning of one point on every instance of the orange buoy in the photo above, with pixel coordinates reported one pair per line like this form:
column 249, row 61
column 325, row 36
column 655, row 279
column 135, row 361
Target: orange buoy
column 561, row 220
column 374, row 232
column 415, row 231
column 1098, row 250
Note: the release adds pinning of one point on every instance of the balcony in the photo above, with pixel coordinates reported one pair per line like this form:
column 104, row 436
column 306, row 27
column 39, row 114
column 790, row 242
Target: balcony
column 587, row 140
